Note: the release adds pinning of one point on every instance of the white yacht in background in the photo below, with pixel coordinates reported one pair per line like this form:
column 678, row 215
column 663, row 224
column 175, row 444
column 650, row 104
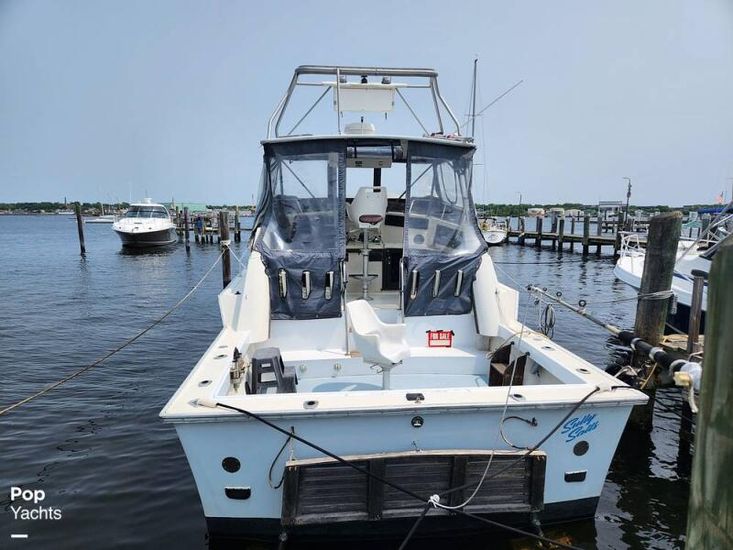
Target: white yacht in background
column 494, row 231
column 146, row 224
column 370, row 322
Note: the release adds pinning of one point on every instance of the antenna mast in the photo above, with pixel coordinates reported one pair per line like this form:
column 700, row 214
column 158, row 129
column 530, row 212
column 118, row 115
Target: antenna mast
column 473, row 99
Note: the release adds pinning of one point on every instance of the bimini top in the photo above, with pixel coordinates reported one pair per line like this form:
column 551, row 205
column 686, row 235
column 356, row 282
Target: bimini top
column 364, row 90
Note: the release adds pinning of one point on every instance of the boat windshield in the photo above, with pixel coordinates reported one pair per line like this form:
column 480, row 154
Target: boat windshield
column 301, row 226
column 146, row 212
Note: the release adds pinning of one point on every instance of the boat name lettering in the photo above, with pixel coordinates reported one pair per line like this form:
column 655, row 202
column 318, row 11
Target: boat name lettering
column 578, row 426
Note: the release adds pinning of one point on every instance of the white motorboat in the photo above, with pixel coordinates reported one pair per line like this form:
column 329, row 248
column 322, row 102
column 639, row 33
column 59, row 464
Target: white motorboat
column 494, row 231
column 370, row 325
column 146, row 224
column 691, row 255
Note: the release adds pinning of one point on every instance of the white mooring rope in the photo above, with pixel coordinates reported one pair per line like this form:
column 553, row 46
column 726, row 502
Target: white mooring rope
column 114, row 351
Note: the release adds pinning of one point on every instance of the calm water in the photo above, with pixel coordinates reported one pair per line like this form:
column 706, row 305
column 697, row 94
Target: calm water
column 118, row 474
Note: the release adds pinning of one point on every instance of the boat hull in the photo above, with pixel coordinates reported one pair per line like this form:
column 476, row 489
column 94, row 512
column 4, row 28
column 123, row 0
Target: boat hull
column 256, row 447
column 494, row 237
column 396, row 529
column 147, row 239
column 629, row 270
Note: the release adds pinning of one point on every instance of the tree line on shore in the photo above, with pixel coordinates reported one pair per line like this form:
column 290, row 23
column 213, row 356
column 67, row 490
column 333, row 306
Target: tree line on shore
column 494, row 209
column 89, row 208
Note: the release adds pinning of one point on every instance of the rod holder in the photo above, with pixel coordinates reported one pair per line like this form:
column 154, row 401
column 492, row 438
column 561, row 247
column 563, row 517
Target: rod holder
column 459, row 283
column 305, row 289
column 414, row 284
column 328, row 291
column 282, row 282
column 436, row 283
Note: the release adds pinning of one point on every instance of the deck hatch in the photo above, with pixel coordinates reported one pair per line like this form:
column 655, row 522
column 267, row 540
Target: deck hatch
column 319, row 491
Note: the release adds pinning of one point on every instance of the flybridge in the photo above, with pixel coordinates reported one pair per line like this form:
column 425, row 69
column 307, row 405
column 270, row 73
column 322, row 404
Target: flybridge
column 367, row 90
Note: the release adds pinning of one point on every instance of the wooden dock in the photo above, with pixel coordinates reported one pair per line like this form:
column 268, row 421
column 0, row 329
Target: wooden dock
column 586, row 232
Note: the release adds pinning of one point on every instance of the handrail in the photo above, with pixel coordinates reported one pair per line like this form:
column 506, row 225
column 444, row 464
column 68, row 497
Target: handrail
column 369, row 71
column 430, row 74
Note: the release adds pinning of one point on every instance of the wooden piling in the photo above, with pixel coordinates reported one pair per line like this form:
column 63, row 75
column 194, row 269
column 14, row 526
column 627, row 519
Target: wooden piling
column 617, row 241
column 226, row 260
column 705, row 222
column 651, row 315
column 659, row 260
column 599, row 230
column 710, row 511
column 538, row 226
column 521, row 239
column 560, row 233
column 186, row 227
column 80, row 228
column 586, row 233
column 693, row 330
column 237, row 226
column 572, row 232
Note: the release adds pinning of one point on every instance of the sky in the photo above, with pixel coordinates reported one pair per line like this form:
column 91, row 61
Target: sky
column 103, row 101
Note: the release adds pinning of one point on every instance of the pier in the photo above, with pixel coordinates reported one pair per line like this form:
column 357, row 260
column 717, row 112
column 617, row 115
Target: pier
column 585, row 231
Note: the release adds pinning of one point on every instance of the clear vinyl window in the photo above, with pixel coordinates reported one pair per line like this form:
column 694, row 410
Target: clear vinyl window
column 440, row 215
column 305, row 202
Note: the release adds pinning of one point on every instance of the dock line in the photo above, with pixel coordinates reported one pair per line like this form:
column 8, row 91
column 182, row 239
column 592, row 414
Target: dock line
column 117, row 349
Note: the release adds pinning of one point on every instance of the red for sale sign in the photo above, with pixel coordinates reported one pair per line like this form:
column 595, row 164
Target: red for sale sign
column 440, row 338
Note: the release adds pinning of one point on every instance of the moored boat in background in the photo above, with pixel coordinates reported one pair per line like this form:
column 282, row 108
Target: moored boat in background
column 494, row 231
column 146, row 224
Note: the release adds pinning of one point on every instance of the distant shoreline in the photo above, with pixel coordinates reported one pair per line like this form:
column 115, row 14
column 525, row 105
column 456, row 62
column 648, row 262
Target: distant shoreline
column 512, row 210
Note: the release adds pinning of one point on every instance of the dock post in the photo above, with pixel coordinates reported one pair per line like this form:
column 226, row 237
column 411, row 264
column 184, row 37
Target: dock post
column 710, row 511
column 693, row 330
column 237, row 226
column 617, row 241
column 80, row 228
column 560, row 233
column 705, row 222
column 572, row 232
column 586, row 233
column 651, row 315
column 226, row 260
column 660, row 257
column 521, row 239
column 538, row 226
column 599, row 230
column 186, row 228
column 553, row 231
